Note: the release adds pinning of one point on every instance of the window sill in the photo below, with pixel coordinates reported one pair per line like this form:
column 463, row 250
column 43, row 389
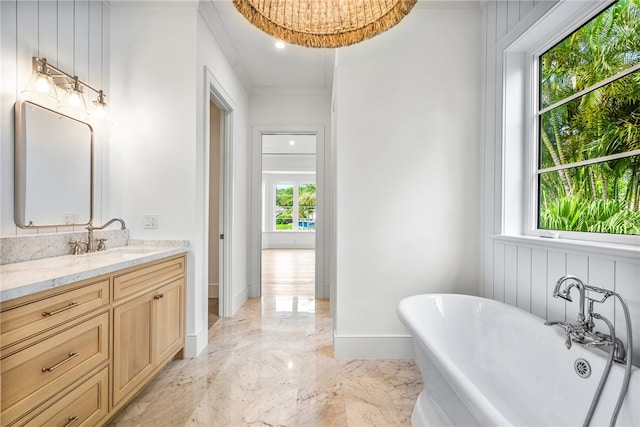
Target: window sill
column 593, row 248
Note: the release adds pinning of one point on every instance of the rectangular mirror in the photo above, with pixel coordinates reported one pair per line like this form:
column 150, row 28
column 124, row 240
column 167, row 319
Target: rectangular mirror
column 53, row 168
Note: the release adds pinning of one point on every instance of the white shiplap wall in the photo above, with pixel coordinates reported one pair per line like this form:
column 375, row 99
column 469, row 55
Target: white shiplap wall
column 73, row 36
column 523, row 271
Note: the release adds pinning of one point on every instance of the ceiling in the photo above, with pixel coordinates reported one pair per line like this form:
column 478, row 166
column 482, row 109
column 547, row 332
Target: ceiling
column 263, row 69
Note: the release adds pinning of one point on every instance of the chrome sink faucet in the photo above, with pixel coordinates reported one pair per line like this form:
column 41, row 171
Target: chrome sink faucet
column 90, row 228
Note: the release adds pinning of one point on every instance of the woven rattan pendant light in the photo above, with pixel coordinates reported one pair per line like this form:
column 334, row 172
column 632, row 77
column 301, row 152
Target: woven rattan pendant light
column 324, row 23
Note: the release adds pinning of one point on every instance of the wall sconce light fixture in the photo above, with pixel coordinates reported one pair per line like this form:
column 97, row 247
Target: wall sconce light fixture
column 67, row 90
column 42, row 82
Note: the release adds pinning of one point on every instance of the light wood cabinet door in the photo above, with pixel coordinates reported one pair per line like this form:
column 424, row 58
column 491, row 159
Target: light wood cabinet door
column 86, row 405
column 169, row 325
column 133, row 355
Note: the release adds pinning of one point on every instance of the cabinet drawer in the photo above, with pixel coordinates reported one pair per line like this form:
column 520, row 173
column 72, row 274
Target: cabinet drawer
column 147, row 277
column 23, row 321
column 34, row 374
column 85, row 405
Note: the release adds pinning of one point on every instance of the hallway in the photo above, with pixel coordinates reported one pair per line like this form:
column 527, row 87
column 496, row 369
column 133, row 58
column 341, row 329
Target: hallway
column 272, row 364
column 288, row 272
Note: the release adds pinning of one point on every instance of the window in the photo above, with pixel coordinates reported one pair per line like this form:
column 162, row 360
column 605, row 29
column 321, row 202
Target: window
column 284, row 207
column 295, row 207
column 588, row 126
column 306, row 207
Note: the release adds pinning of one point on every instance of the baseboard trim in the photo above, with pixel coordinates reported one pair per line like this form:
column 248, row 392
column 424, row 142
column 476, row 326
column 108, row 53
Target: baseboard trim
column 214, row 290
column 372, row 347
column 195, row 343
column 238, row 300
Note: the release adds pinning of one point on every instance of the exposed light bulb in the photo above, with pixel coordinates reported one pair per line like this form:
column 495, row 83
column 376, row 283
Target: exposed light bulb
column 74, row 99
column 42, row 84
column 100, row 111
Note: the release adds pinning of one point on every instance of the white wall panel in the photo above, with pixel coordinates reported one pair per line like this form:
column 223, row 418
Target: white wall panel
column 511, row 274
column 524, row 277
column 525, row 7
column 66, row 44
column 27, row 41
column 628, row 285
column 513, row 14
column 81, row 39
column 94, row 75
column 48, row 30
column 556, row 268
column 539, row 289
column 502, row 21
column 498, row 272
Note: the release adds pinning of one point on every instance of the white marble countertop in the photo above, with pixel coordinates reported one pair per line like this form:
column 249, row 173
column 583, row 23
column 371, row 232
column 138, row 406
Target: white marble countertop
column 28, row 277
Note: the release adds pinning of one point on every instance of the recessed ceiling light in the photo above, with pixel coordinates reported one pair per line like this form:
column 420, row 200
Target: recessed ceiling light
column 292, row 142
column 280, row 44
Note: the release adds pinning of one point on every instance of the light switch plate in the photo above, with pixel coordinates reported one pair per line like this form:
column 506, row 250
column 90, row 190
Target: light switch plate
column 151, row 220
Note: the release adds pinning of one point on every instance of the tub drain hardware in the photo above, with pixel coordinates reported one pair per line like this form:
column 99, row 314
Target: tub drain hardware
column 582, row 367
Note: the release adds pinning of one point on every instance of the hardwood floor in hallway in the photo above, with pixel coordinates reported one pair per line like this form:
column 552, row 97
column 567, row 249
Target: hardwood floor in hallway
column 271, row 363
column 288, row 272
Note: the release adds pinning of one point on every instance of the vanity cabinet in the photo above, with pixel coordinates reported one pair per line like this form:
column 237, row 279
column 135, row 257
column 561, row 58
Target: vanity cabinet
column 148, row 324
column 148, row 332
column 79, row 353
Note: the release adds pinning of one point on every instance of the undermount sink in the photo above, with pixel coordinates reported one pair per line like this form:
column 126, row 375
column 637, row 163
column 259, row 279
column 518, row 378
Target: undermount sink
column 122, row 251
column 131, row 250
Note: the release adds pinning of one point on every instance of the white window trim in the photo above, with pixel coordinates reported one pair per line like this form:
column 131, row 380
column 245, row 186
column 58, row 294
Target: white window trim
column 519, row 125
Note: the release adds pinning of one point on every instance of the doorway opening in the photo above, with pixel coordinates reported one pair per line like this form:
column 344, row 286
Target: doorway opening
column 216, row 127
column 289, row 215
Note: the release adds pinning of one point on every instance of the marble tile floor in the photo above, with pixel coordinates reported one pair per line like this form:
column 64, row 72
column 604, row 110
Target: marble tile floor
column 272, row 364
column 213, row 311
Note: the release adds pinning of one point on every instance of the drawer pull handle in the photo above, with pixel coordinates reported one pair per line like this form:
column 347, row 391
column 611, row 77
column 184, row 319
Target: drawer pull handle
column 71, row 421
column 57, row 365
column 158, row 296
column 60, row 310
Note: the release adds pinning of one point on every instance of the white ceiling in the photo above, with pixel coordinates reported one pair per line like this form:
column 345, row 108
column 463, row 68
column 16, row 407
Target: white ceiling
column 263, row 69
column 288, row 144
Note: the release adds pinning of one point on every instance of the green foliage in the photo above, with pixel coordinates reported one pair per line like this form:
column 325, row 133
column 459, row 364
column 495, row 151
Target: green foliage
column 602, row 197
column 284, row 204
column 579, row 214
column 284, row 195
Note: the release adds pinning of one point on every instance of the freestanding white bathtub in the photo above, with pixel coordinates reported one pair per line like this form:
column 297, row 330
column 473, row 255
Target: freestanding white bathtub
column 487, row 363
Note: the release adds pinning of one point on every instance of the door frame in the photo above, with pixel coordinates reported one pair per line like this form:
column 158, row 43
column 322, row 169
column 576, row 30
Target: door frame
column 255, row 244
column 222, row 100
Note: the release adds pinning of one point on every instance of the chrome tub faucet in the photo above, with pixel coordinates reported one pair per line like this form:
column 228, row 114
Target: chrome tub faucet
column 565, row 294
column 582, row 332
